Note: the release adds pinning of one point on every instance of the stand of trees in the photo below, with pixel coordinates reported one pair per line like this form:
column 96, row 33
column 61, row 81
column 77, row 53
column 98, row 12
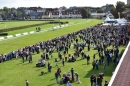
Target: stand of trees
column 100, row 11
column 118, row 8
column 85, row 13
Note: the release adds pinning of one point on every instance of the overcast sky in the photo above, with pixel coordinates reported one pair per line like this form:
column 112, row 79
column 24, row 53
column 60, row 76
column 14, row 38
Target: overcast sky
column 56, row 3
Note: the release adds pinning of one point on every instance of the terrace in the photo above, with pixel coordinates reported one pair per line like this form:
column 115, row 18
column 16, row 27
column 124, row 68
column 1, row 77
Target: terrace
column 121, row 75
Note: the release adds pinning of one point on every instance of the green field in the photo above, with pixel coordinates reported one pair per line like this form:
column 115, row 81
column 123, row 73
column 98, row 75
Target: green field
column 46, row 26
column 17, row 23
column 14, row 72
column 14, row 44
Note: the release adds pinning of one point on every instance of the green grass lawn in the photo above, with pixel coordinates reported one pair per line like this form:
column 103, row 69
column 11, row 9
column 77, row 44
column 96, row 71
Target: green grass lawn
column 46, row 26
column 18, row 23
column 14, row 44
column 14, row 72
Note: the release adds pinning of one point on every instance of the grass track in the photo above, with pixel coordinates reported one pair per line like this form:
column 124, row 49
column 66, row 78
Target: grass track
column 14, row 44
column 18, row 23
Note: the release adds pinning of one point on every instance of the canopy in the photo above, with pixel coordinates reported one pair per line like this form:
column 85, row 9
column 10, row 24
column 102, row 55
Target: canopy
column 121, row 21
column 106, row 24
column 107, row 19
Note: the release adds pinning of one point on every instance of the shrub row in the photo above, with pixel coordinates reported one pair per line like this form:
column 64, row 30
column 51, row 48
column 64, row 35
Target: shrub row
column 28, row 20
column 60, row 22
column 3, row 34
column 27, row 26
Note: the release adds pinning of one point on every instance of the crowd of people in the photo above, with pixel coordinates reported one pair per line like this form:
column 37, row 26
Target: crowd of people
column 98, row 37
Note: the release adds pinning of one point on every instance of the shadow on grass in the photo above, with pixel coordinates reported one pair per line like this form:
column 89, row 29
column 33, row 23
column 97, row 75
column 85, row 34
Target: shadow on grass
column 52, row 79
column 19, row 63
column 84, row 64
column 43, row 74
column 26, row 63
column 79, row 59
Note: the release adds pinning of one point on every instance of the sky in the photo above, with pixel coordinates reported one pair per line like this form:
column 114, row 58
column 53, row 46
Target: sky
column 56, row 3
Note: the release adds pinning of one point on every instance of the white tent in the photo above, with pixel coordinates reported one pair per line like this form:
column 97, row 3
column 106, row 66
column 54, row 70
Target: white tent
column 106, row 24
column 121, row 21
column 107, row 19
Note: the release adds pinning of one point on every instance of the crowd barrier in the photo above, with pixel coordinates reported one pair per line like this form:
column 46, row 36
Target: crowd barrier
column 26, row 33
column 17, row 35
column 31, row 32
column 10, row 36
column 1, row 38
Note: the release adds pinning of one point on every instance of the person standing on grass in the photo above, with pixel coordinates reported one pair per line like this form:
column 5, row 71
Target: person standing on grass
column 49, row 67
column 93, row 57
column 59, row 71
column 91, row 80
column 56, row 62
column 104, row 66
column 77, row 76
column 97, row 64
column 99, row 81
column 27, row 83
column 88, row 58
column 94, row 64
column 88, row 47
column 108, row 59
column 56, row 76
column 72, row 73
column 63, row 61
column 94, row 80
column 22, row 57
column 30, row 57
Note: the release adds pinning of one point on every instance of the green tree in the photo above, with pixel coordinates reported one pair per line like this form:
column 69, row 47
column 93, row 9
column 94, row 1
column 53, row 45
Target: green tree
column 100, row 11
column 1, row 9
column 120, row 8
column 6, row 9
column 19, row 14
column 64, row 8
column 114, row 12
column 12, row 8
column 88, row 13
column 84, row 13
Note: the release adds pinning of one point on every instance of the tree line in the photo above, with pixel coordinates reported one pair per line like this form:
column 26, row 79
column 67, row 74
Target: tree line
column 115, row 10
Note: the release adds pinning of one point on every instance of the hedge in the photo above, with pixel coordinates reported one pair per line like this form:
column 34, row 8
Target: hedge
column 3, row 34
